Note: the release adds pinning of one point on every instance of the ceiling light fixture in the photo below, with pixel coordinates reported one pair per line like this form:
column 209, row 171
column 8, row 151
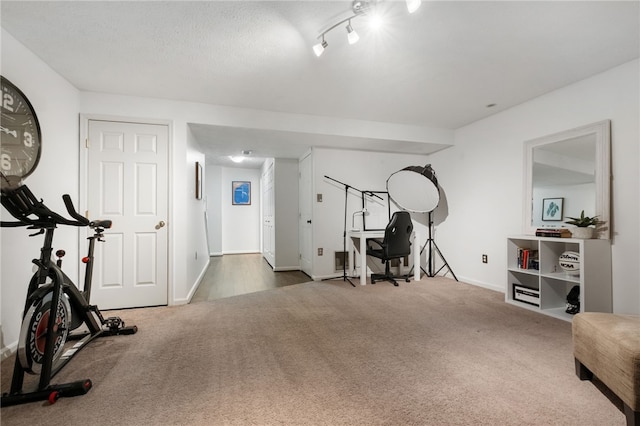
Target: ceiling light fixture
column 240, row 158
column 413, row 5
column 358, row 7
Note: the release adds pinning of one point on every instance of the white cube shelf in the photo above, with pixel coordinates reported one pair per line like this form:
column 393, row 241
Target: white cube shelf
column 551, row 282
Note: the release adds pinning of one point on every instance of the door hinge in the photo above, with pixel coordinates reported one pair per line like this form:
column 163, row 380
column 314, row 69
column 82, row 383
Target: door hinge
column 86, row 143
column 86, row 214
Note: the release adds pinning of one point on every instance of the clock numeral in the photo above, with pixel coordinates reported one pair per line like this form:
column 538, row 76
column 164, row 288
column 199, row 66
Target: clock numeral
column 5, row 162
column 7, row 102
column 28, row 139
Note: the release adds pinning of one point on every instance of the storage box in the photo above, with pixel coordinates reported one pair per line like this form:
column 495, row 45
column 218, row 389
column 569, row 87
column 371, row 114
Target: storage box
column 526, row 295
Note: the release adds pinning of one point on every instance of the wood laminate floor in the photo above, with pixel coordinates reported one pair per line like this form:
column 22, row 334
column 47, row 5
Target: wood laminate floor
column 234, row 274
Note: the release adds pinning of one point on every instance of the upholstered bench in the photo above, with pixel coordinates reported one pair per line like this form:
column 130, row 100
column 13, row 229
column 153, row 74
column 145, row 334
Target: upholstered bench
column 608, row 346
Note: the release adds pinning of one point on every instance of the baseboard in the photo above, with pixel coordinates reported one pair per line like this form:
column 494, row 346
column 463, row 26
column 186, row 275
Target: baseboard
column 194, row 287
column 481, row 284
column 215, row 254
column 241, row 252
column 286, row 268
column 7, row 351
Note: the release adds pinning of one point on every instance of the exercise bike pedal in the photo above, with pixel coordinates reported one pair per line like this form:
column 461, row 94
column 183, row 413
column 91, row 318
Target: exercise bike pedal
column 115, row 326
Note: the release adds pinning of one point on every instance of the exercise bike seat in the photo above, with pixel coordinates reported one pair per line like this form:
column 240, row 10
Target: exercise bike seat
column 105, row 224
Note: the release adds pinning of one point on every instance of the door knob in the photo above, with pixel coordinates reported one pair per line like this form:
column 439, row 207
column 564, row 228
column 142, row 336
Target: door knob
column 160, row 224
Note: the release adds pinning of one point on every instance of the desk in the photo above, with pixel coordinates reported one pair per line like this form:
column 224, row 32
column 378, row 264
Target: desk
column 363, row 236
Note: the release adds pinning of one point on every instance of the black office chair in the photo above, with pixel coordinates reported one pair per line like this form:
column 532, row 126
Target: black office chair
column 395, row 245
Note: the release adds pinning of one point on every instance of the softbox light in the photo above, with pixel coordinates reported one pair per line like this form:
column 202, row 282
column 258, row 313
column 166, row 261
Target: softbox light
column 414, row 188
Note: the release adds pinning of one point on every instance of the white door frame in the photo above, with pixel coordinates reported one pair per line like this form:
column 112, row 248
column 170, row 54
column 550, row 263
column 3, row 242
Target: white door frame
column 83, row 195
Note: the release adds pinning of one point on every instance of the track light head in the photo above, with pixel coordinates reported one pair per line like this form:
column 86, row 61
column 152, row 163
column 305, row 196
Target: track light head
column 319, row 48
column 352, row 36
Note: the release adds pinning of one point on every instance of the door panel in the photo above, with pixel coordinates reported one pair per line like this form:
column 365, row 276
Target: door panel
column 306, row 196
column 127, row 182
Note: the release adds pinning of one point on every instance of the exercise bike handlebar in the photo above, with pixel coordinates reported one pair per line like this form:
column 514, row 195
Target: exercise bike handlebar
column 30, row 211
column 72, row 211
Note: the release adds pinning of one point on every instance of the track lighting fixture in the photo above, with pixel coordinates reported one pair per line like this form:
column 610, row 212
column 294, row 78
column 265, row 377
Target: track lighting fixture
column 358, row 7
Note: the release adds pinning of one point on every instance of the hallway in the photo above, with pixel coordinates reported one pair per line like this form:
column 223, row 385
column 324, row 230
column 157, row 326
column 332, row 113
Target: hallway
column 235, row 274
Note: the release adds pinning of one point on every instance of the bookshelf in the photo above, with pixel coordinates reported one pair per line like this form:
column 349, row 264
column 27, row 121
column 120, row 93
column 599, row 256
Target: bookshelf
column 545, row 289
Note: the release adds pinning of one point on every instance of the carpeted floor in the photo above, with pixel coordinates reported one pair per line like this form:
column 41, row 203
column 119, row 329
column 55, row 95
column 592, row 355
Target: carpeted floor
column 433, row 352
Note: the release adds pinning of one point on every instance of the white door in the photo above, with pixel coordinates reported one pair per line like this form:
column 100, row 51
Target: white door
column 127, row 182
column 268, row 216
column 306, row 204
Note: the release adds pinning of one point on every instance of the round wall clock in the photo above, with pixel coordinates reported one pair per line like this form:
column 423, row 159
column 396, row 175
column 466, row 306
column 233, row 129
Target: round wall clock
column 20, row 141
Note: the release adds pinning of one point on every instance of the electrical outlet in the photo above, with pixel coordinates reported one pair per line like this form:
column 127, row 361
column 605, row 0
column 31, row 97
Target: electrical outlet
column 485, row 259
column 320, row 251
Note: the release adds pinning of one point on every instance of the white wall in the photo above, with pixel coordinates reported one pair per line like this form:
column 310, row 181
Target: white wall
column 197, row 253
column 56, row 104
column 366, row 171
column 213, row 190
column 483, row 174
column 240, row 223
column 286, row 214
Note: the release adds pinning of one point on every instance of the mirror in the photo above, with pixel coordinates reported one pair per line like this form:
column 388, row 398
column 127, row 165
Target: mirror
column 566, row 173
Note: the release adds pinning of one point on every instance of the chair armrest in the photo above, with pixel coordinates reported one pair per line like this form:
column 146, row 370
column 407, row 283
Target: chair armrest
column 378, row 242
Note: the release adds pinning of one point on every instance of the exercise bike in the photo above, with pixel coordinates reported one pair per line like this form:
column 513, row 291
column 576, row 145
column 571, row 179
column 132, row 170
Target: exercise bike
column 56, row 311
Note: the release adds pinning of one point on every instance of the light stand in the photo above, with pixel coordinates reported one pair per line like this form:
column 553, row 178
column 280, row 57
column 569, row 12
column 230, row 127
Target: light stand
column 403, row 186
column 431, row 260
column 344, row 231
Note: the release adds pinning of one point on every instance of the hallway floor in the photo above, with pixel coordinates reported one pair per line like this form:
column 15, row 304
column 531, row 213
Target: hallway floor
column 235, row 274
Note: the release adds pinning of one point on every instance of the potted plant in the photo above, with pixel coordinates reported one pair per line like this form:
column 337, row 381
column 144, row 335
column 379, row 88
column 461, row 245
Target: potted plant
column 583, row 225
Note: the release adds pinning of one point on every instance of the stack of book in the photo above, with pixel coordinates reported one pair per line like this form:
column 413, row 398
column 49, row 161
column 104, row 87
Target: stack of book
column 527, row 258
column 553, row 232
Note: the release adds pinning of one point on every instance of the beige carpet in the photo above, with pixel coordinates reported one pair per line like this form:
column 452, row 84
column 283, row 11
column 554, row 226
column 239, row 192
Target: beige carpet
column 433, row 352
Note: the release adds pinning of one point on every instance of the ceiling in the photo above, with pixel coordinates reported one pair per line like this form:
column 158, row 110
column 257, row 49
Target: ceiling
column 440, row 67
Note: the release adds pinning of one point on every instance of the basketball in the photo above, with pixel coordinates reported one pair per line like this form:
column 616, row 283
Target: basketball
column 570, row 261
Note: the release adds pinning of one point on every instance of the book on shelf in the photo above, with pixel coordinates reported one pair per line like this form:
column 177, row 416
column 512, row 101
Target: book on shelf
column 553, row 232
column 527, row 258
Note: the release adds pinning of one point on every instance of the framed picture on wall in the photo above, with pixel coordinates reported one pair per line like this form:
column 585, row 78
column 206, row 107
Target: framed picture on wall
column 241, row 193
column 552, row 209
column 198, row 181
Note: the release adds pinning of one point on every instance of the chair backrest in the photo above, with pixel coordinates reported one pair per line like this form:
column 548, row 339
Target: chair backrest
column 397, row 235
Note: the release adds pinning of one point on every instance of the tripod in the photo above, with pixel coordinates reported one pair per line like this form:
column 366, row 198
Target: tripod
column 344, row 231
column 431, row 258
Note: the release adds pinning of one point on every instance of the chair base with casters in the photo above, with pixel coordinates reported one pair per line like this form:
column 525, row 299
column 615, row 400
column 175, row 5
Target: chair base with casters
column 388, row 276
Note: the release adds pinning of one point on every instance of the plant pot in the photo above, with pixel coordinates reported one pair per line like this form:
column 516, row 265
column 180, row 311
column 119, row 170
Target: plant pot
column 584, row 233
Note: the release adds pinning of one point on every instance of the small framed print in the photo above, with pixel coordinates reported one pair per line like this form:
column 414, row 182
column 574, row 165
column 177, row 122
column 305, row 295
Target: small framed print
column 241, row 193
column 198, row 181
column 552, row 209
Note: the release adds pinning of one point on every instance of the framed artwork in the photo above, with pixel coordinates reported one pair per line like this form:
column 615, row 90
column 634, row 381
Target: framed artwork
column 552, row 209
column 198, row 181
column 241, row 193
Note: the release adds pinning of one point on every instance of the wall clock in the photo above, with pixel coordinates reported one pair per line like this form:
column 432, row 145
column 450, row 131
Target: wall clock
column 20, row 138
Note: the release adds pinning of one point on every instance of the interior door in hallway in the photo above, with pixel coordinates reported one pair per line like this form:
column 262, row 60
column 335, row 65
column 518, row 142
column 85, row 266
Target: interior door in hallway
column 305, row 195
column 127, row 182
